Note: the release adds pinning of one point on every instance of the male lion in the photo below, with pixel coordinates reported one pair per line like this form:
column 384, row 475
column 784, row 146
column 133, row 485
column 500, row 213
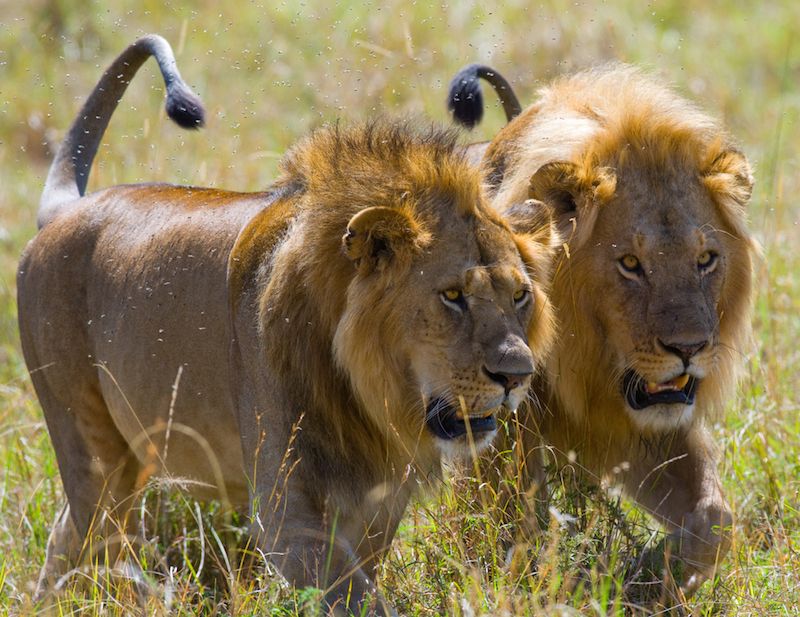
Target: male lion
column 653, row 287
column 309, row 350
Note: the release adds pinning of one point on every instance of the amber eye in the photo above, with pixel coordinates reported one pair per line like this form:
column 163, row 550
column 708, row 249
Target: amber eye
column 630, row 263
column 454, row 297
column 521, row 297
column 706, row 260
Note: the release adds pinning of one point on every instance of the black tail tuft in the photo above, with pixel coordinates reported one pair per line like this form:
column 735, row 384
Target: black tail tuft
column 184, row 107
column 465, row 99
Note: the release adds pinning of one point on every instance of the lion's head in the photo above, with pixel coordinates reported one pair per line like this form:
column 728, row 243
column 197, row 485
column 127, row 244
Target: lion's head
column 436, row 305
column 655, row 281
column 459, row 313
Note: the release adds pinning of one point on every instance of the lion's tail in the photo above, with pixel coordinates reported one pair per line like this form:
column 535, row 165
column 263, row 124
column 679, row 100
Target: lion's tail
column 69, row 172
column 465, row 99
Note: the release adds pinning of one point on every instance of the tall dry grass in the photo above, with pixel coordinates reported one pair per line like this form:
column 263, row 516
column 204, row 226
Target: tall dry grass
column 270, row 72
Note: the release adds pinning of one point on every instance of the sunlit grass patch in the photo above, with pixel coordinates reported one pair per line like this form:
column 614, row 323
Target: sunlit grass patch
column 270, row 73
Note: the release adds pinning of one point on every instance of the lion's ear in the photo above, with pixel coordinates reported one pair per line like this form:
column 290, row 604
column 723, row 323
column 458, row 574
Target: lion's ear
column 570, row 190
column 729, row 179
column 378, row 236
column 729, row 174
column 556, row 185
column 534, row 219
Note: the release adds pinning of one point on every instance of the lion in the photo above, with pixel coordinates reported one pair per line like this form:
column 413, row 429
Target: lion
column 652, row 289
column 309, row 352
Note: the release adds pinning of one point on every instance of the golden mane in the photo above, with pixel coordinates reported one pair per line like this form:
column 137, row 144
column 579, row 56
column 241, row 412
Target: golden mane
column 343, row 163
column 612, row 116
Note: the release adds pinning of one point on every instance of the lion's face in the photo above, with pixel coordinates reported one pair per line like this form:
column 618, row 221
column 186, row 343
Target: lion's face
column 457, row 319
column 657, row 279
column 651, row 292
column 468, row 337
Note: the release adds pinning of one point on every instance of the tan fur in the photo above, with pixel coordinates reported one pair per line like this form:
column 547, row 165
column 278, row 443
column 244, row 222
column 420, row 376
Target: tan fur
column 290, row 342
column 632, row 168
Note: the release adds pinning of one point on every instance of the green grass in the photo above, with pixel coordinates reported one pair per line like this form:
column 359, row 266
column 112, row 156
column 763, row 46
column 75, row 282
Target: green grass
column 270, row 72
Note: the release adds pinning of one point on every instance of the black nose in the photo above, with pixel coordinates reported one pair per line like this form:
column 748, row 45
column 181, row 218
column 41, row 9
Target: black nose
column 509, row 381
column 685, row 351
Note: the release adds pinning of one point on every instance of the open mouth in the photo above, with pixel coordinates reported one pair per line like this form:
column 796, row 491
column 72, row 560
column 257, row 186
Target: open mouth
column 448, row 422
column 640, row 393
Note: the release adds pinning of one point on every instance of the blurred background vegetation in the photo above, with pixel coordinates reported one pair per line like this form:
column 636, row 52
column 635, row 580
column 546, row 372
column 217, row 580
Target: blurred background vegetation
column 268, row 73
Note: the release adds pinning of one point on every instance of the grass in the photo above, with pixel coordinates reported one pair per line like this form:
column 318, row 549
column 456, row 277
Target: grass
column 268, row 73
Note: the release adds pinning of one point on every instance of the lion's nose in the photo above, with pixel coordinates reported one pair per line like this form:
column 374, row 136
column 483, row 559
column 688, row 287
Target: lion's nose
column 685, row 351
column 509, row 381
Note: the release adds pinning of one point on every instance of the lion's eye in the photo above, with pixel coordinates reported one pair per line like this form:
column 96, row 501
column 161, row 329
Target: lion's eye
column 454, row 297
column 630, row 263
column 521, row 297
column 706, row 261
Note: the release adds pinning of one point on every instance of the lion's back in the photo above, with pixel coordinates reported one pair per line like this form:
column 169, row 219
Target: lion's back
column 123, row 299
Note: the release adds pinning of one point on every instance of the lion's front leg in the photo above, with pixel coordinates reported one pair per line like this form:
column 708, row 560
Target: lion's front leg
column 310, row 542
column 311, row 549
column 703, row 540
column 677, row 481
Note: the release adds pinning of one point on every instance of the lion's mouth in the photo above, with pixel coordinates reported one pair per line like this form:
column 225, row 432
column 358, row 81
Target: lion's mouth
column 640, row 393
column 448, row 422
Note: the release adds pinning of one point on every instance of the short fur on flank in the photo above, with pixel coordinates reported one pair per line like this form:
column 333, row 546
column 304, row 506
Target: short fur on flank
column 652, row 290
column 315, row 347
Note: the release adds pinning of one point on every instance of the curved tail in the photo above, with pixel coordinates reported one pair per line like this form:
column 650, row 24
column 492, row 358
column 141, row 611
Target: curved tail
column 465, row 99
column 69, row 172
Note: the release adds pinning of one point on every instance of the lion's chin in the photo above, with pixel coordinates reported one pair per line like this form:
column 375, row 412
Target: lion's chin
column 662, row 418
column 660, row 407
column 457, row 434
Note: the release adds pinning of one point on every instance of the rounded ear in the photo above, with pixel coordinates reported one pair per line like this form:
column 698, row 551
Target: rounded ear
column 730, row 181
column 556, row 184
column 729, row 174
column 570, row 191
column 379, row 236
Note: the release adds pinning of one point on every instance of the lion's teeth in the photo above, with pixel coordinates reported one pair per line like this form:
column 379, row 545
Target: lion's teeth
column 477, row 416
column 680, row 382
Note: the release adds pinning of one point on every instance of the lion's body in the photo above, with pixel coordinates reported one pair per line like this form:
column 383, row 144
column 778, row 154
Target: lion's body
column 82, row 305
column 638, row 175
column 308, row 351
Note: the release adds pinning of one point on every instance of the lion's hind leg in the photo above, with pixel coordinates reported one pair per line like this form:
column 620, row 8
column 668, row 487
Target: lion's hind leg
column 99, row 474
column 63, row 550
